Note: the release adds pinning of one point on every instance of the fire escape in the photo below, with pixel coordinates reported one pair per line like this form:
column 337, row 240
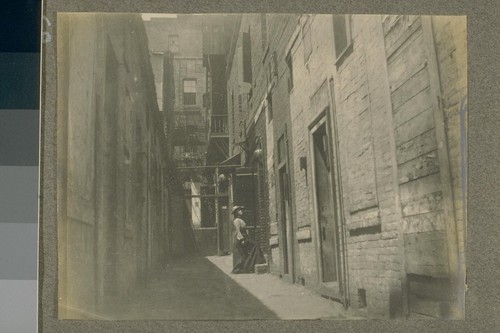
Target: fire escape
column 215, row 48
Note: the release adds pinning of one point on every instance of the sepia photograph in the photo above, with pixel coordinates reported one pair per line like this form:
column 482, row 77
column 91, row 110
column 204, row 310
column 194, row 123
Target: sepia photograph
column 261, row 166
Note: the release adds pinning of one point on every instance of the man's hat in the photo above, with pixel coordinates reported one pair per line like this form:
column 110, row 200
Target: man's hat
column 235, row 208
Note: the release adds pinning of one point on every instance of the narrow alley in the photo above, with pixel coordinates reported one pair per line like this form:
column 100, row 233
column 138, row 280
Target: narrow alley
column 319, row 154
column 203, row 286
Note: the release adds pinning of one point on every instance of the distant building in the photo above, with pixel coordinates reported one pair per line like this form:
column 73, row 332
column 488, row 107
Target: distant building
column 210, row 199
column 175, row 44
column 180, row 37
column 350, row 126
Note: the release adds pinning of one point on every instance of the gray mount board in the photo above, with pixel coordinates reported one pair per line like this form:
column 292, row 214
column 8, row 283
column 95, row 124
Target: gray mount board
column 483, row 141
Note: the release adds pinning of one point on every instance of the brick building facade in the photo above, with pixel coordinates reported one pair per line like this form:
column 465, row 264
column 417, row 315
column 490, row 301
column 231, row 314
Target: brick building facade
column 180, row 37
column 121, row 211
column 361, row 121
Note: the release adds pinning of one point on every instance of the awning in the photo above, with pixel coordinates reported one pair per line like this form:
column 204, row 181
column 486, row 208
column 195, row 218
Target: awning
column 233, row 160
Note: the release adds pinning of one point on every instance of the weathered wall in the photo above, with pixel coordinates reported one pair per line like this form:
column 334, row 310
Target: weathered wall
column 361, row 112
column 75, row 261
column 450, row 35
column 306, row 83
column 267, row 39
column 237, row 94
column 111, row 154
column 426, row 176
column 371, row 216
column 396, row 217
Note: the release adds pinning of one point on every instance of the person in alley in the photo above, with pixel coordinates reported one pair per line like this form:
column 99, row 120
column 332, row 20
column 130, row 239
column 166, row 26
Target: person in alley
column 247, row 251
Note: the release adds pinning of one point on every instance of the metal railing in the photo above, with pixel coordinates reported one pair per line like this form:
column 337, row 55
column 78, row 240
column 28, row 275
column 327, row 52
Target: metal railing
column 218, row 125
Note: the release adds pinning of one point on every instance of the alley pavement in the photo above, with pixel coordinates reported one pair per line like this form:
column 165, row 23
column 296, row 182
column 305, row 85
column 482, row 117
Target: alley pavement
column 285, row 300
column 202, row 288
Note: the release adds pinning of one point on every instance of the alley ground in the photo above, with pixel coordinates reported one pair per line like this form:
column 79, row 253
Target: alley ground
column 202, row 288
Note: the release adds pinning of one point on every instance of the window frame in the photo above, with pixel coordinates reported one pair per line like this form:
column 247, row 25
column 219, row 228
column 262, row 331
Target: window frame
column 246, row 49
column 269, row 106
column 339, row 58
column 190, row 92
column 289, row 65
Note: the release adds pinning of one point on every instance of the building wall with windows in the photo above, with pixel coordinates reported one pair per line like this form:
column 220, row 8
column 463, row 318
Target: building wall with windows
column 181, row 37
column 391, row 92
column 254, row 76
column 237, row 91
column 344, row 76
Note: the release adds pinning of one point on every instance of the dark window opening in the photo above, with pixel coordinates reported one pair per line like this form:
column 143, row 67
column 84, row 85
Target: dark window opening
column 247, row 58
column 341, row 35
column 189, row 92
column 290, row 71
column 189, row 99
column 281, row 148
column 270, row 106
column 371, row 230
column 361, row 298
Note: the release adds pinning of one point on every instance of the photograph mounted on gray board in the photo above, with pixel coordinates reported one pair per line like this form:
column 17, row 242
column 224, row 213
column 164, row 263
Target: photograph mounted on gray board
column 261, row 166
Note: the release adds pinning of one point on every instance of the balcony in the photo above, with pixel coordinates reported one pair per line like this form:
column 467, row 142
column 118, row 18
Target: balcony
column 218, row 127
column 218, row 139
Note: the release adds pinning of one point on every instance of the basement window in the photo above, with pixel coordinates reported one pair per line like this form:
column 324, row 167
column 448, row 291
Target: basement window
column 370, row 230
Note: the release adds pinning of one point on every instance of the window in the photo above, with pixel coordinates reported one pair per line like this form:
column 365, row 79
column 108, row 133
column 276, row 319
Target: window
column 290, row 71
column 247, row 58
column 306, row 38
column 270, row 106
column 272, row 68
column 173, row 43
column 189, row 92
column 281, row 149
column 341, row 36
